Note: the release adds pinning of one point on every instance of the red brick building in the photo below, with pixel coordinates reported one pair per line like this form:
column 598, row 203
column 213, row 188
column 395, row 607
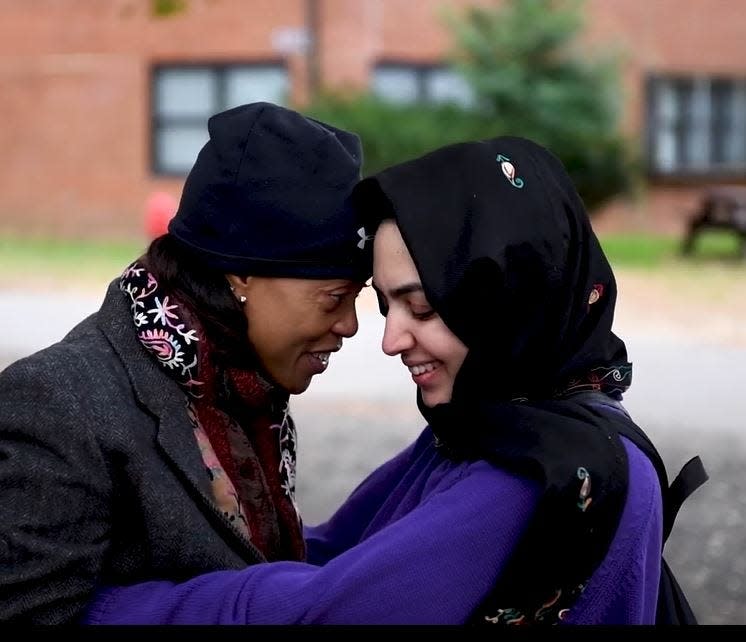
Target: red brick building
column 103, row 103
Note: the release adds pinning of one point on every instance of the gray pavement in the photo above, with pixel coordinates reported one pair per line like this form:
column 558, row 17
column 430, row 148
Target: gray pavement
column 686, row 394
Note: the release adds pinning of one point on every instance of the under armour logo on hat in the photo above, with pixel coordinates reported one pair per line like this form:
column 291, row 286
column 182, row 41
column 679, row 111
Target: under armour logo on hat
column 364, row 238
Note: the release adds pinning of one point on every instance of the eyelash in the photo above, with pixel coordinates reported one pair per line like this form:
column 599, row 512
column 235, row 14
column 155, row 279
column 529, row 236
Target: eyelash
column 337, row 298
column 424, row 316
column 383, row 308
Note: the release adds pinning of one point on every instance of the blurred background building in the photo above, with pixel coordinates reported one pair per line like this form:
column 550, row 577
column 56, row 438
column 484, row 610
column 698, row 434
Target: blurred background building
column 104, row 106
column 105, row 102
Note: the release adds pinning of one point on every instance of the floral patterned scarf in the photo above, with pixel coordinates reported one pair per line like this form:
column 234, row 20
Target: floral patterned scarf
column 241, row 422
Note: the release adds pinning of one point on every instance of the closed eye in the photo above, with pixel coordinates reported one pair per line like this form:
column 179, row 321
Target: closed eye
column 423, row 316
column 340, row 296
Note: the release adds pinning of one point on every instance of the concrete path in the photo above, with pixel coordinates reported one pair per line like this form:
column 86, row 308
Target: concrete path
column 688, row 395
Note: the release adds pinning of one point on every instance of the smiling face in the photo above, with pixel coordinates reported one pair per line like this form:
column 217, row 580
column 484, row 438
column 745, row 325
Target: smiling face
column 295, row 323
column 431, row 352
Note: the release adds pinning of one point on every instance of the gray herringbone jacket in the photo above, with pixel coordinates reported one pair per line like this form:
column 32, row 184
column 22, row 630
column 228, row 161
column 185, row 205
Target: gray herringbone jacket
column 101, row 479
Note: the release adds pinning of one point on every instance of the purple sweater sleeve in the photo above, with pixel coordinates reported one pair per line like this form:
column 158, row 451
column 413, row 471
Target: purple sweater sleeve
column 433, row 565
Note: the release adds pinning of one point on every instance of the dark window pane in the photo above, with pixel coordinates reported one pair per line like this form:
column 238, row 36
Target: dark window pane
column 683, row 121
column 185, row 93
column 397, row 84
column 446, row 85
column 184, row 98
column 177, row 147
column 250, row 85
column 721, row 122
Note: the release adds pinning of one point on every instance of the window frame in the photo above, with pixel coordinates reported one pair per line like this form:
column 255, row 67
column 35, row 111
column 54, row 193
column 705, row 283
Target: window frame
column 220, row 71
column 422, row 70
column 681, row 171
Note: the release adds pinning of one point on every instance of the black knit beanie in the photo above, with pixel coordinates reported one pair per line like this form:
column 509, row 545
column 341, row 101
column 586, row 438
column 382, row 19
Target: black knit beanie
column 269, row 196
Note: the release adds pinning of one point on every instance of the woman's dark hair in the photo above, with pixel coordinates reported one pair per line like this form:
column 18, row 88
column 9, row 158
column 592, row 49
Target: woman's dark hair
column 206, row 292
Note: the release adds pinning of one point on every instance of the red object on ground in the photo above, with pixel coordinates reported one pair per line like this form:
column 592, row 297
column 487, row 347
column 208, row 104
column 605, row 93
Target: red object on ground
column 159, row 210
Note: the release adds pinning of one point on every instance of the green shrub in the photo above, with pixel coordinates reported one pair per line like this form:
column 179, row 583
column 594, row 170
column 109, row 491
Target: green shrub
column 529, row 79
column 526, row 66
column 392, row 133
column 601, row 168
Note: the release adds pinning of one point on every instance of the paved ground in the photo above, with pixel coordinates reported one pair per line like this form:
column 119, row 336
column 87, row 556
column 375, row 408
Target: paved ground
column 687, row 393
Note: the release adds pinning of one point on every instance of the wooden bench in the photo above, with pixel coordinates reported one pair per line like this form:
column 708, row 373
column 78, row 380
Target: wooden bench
column 721, row 208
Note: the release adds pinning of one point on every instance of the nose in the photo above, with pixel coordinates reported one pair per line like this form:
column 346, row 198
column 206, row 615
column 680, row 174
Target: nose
column 346, row 325
column 396, row 338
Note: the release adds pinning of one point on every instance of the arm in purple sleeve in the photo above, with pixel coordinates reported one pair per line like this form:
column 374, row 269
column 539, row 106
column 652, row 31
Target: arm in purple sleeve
column 434, row 565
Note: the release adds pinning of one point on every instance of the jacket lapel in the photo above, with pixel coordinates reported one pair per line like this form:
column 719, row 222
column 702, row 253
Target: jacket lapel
column 163, row 397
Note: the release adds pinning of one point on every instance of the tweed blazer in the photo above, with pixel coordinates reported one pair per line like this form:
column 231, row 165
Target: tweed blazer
column 101, row 478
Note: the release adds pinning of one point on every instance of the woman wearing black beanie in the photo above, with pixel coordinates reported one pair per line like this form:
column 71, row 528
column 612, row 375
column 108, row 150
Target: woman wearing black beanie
column 154, row 439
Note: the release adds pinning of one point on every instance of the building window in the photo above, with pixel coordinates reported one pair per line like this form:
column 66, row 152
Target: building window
column 185, row 96
column 696, row 125
column 412, row 83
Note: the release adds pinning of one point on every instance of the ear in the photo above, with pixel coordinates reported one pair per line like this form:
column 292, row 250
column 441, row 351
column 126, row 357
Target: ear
column 238, row 282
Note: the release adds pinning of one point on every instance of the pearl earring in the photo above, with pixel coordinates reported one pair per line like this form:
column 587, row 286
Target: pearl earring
column 241, row 298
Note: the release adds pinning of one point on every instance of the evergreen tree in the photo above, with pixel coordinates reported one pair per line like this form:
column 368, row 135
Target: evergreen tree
column 529, row 76
column 524, row 61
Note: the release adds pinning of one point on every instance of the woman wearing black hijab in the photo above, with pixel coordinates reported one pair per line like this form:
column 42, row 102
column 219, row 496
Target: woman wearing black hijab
column 519, row 503
column 491, row 241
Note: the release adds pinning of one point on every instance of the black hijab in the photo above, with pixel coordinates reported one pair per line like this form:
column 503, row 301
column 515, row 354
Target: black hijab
column 507, row 257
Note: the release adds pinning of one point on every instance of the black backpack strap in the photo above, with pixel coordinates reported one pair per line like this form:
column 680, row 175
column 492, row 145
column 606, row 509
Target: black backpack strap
column 673, row 606
column 691, row 476
column 689, row 479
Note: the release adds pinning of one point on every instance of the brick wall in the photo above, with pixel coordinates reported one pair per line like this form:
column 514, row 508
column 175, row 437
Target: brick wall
column 74, row 86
